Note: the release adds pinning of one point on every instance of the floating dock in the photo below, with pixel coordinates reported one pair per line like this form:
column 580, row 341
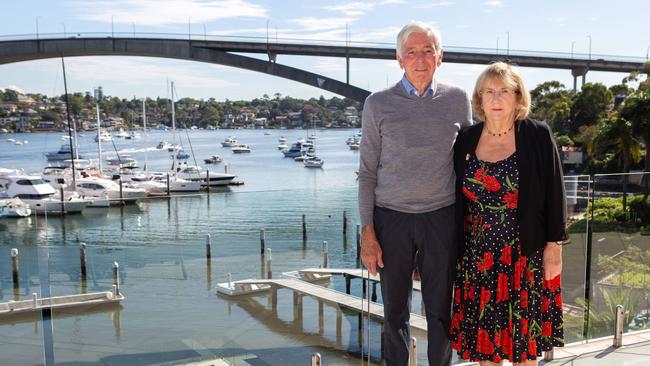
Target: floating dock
column 58, row 302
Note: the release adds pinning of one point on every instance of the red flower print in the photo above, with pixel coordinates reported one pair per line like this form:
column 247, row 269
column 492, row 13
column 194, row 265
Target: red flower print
column 545, row 303
column 469, row 194
column 470, row 293
column 553, row 284
column 502, row 288
column 506, row 255
column 510, row 199
column 532, row 347
column 558, row 300
column 523, row 297
column 485, row 298
column 483, row 343
column 458, row 343
column 497, row 339
column 479, row 174
column 524, row 357
column 466, row 355
column 546, row 329
column 506, row 342
column 491, row 183
column 457, row 296
column 529, row 276
column 455, row 322
column 496, row 358
column 524, row 326
column 486, row 263
column 517, row 276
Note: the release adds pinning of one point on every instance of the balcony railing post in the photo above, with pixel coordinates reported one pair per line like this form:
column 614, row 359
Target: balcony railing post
column 618, row 326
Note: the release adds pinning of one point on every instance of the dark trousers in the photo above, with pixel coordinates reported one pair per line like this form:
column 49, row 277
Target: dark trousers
column 432, row 236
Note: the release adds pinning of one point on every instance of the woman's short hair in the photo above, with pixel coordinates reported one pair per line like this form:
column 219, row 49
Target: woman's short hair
column 418, row 27
column 509, row 75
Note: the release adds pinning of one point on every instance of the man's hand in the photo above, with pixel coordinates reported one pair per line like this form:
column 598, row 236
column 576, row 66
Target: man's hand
column 552, row 260
column 370, row 250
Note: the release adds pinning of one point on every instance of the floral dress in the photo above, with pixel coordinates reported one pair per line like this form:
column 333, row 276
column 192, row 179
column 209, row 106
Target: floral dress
column 503, row 309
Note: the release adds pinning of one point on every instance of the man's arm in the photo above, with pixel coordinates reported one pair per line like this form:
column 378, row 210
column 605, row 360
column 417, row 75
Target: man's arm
column 368, row 164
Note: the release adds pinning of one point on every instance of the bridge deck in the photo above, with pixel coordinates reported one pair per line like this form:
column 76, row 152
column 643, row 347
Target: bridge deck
column 335, row 297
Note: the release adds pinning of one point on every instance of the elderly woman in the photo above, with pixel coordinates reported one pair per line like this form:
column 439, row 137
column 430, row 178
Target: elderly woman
column 511, row 213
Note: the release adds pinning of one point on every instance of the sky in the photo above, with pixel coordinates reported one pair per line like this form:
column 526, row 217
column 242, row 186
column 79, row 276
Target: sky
column 618, row 28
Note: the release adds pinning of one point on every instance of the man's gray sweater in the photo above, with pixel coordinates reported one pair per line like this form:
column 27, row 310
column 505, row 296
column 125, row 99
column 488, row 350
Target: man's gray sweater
column 407, row 149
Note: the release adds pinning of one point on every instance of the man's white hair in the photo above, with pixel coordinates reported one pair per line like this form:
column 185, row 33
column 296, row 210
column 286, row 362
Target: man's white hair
column 415, row 26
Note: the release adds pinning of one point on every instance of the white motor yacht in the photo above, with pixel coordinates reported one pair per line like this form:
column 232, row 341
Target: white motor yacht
column 106, row 188
column 122, row 161
column 214, row 159
column 38, row 194
column 229, row 142
column 313, row 162
column 104, row 137
column 64, row 153
column 241, row 149
column 121, row 133
column 198, row 174
column 176, row 184
column 14, row 207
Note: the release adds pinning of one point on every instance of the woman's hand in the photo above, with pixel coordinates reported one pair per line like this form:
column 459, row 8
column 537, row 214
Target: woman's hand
column 552, row 260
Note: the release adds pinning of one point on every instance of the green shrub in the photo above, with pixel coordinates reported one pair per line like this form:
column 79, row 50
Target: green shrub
column 640, row 209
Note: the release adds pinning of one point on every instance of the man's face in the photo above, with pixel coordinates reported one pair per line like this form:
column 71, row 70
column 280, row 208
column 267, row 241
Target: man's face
column 419, row 59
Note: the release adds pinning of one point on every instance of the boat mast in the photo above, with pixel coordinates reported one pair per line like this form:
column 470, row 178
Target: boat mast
column 99, row 136
column 70, row 125
column 144, row 122
column 174, row 152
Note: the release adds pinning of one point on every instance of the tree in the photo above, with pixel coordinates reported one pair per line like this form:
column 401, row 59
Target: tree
column 636, row 109
column 551, row 102
column 10, row 95
column 615, row 135
column 590, row 105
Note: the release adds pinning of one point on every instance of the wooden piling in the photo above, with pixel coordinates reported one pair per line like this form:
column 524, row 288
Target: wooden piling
column 207, row 180
column 262, row 241
column 348, row 279
column 269, row 266
column 358, row 242
column 373, row 297
column 325, row 254
column 116, row 277
column 82, row 259
column 62, row 201
column 168, row 186
column 208, row 247
column 345, row 222
column 304, row 228
column 15, row 266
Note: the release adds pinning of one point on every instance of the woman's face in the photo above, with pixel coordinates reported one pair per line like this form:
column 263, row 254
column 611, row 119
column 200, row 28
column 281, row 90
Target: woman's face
column 498, row 100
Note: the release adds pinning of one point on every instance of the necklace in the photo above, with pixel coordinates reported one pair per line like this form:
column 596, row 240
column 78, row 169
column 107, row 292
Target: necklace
column 499, row 134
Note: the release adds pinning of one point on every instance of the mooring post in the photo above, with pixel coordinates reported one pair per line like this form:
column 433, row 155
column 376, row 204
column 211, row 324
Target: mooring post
column 269, row 266
column 262, row 241
column 168, row 186
column 315, row 359
column 304, row 228
column 15, row 266
column 208, row 247
column 345, row 222
column 121, row 192
column 358, row 242
column 116, row 277
column 325, row 254
column 207, row 180
column 413, row 354
column 82, row 259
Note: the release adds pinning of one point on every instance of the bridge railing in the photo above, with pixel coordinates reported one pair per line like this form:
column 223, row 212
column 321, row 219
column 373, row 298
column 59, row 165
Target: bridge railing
column 321, row 42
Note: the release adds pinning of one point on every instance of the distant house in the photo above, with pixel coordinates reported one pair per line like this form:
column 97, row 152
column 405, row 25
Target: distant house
column 572, row 157
column 23, row 124
column 45, row 126
column 8, row 107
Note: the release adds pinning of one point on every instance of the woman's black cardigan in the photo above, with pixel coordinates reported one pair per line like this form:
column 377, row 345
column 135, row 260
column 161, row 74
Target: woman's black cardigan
column 541, row 205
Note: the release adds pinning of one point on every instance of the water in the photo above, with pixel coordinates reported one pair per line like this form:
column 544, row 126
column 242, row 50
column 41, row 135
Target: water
column 171, row 313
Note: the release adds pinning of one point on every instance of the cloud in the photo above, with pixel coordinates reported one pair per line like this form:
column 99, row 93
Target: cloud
column 311, row 24
column 493, row 3
column 353, row 9
column 13, row 87
column 164, row 13
column 435, row 5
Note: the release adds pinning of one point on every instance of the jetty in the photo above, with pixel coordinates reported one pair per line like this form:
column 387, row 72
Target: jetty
column 36, row 304
column 323, row 294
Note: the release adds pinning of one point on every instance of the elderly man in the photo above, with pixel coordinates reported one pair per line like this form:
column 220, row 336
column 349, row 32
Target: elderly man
column 406, row 192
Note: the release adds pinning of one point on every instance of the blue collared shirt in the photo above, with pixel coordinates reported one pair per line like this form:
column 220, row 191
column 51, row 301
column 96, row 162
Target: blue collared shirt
column 410, row 89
